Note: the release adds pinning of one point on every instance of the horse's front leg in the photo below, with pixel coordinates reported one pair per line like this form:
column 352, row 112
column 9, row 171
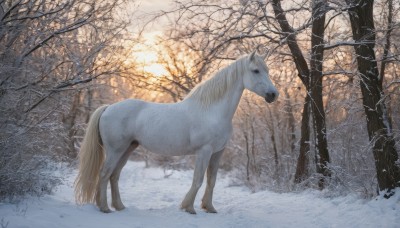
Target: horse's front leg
column 202, row 160
column 212, row 169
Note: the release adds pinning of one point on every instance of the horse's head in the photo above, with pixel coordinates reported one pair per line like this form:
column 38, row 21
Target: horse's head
column 256, row 78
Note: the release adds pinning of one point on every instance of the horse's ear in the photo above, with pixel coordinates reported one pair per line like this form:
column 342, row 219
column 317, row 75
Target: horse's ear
column 252, row 55
column 266, row 54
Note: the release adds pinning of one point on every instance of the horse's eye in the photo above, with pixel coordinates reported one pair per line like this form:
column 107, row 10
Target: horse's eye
column 256, row 71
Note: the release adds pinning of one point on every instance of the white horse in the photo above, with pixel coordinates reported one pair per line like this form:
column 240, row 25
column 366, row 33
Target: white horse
column 201, row 124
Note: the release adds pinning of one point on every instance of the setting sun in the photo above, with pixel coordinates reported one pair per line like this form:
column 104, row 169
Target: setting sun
column 155, row 69
column 146, row 56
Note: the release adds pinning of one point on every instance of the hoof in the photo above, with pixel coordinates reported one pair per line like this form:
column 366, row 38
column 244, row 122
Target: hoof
column 209, row 209
column 105, row 210
column 189, row 210
column 119, row 207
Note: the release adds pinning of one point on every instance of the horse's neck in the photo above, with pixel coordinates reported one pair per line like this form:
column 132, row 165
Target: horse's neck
column 230, row 101
column 225, row 105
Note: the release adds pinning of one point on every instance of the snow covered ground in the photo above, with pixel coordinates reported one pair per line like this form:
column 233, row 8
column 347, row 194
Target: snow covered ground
column 152, row 198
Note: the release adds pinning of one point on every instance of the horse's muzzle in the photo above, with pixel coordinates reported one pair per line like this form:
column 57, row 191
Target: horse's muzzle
column 270, row 97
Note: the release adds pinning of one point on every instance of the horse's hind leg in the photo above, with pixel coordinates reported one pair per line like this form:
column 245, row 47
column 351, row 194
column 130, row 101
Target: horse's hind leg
column 113, row 156
column 105, row 173
column 212, row 169
column 116, row 198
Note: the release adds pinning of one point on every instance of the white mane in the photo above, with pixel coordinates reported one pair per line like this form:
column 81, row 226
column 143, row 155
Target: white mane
column 214, row 88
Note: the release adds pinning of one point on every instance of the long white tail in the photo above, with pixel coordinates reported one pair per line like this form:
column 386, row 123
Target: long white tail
column 91, row 158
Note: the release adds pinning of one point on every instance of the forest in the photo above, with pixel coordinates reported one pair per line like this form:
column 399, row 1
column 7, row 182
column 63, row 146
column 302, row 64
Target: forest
column 336, row 64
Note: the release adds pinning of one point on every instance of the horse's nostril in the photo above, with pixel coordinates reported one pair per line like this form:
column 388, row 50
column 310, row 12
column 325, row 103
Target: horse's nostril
column 270, row 97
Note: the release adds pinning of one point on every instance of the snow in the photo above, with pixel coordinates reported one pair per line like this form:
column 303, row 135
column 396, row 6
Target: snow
column 152, row 198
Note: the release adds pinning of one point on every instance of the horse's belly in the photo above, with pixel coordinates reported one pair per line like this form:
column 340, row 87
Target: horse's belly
column 167, row 137
column 166, row 144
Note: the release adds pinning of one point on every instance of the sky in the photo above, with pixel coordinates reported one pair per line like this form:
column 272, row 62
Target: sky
column 151, row 7
column 145, row 53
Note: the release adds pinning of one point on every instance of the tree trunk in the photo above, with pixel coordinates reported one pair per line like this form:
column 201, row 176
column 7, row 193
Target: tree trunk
column 303, row 160
column 299, row 60
column 312, row 80
column 248, row 157
column 379, row 130
column 274, row 146
column 389, row 30
column 69, row 124
column 315, row 89
column 291, row 123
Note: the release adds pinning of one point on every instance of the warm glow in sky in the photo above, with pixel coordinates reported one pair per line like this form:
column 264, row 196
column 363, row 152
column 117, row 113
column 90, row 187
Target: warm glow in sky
column 146, row 55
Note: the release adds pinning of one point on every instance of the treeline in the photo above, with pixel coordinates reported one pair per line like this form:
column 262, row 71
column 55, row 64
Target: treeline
column 335, row 63
column 55, row 59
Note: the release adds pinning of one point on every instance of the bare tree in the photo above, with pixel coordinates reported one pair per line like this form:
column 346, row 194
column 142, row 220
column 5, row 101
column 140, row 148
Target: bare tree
column 378, row 123
column 312, row 80
column 51, row 52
